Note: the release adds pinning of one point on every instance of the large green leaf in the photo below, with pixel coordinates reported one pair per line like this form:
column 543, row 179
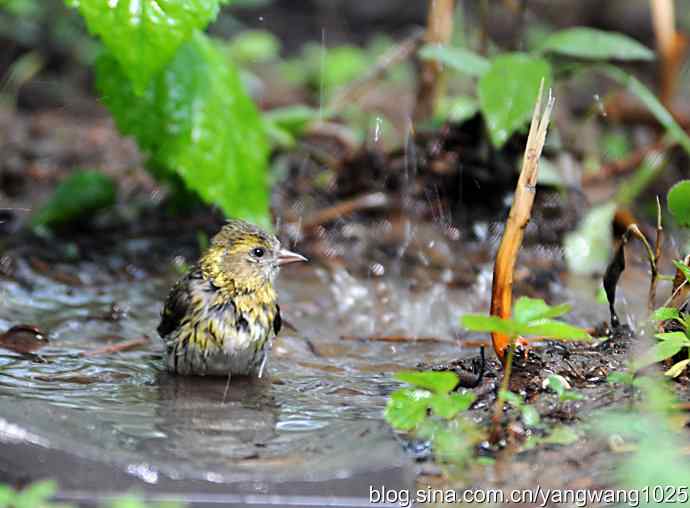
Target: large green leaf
column 595, row 44
column 143, row 35
column 458, row 59
column 508, row 92
column 195, row 118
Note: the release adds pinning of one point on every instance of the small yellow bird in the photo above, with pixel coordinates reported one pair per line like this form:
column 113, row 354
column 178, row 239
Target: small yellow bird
column 220, row 318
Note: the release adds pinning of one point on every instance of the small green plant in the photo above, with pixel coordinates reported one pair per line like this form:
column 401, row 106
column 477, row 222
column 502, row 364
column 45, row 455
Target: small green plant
column 39, row 495
column 430, row 409
column 531, row 317
column 669, row 344
column 561, row 388
column 36, row 495
column 529, row 414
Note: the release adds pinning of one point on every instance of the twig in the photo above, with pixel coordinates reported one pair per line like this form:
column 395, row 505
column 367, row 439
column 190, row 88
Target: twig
column 520, row 212
column 495, row 434
column 354, row 90
column 657, row 256
column 117, row 348
column 390, row 338
column 431, row 79
column 347, row 207
column 671, row 47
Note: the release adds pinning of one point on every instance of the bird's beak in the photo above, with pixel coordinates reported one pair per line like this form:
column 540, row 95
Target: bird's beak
column 285, row 257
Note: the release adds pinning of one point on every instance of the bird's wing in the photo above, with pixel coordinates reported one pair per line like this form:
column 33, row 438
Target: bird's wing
column 277, row 320
column 177, row 303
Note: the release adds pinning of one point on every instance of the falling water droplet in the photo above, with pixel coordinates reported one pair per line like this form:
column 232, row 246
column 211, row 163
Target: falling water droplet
column 377, row 129
column 600, row 104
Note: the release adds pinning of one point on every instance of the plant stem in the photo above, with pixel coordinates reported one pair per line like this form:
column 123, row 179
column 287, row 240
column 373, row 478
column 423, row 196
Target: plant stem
column 495, row 435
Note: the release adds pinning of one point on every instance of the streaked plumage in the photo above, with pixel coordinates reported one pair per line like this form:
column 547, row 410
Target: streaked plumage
column 220, row 318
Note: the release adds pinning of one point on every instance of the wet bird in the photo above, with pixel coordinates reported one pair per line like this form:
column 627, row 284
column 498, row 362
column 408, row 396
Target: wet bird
column 221, row 317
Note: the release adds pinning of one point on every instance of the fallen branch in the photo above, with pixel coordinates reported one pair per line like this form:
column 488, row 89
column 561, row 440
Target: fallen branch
column 117, row 348
column 520, row 212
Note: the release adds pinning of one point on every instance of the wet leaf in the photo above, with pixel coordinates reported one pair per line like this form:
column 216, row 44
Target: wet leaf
column 196, row 120
column 406, row 408
column 484, row 323
column 665, row 313
column 588, row 248
column 552, row 329
column 447, row 406
column 677, row 368
column 80, row 195
column 508, row 92
column 592, row 44
column 437, row 382
column 679, row 202
column 143, row 36
column 529, row 309
column 459, row 59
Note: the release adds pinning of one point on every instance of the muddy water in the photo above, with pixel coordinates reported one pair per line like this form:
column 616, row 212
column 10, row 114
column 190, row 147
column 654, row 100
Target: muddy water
column 326, row 382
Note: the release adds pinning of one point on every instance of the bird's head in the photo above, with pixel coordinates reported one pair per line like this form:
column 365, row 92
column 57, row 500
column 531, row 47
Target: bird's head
column 243, row 257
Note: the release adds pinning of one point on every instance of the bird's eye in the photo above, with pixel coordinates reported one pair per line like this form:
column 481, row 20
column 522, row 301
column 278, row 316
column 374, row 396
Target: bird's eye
column 258, row 252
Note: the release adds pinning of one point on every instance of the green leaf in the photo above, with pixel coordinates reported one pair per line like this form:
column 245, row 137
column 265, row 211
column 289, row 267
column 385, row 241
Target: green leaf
column 679, row 202
column 588, row 248
column 678, row 337
column 7, row 495
column 252, row 46
column 561, row 435
column 667, row 348
column 484, row 323
column 530, row 415
column 457, row 109
column 144, row 35
column 195, row 119
column 448, row 405
column 293, row 119
column 621, row 377
column 437, row 382
column 684, row 269
column 552, row 329
column 665, row 313
column 512, row 398
column 459, row 59
column 81, row 194
column 650, row 101
column 557, row 384
column 508, row 92
column 529, row 309
column 406, row 408
column 595, row 44
column 35, row 494
column 677, row 368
